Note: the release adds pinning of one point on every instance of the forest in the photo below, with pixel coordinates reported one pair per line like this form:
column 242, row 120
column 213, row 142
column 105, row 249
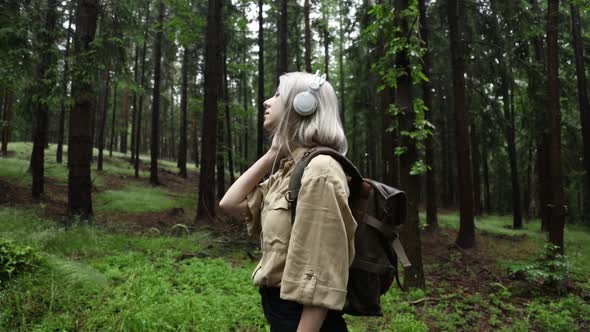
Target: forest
column 123, row 124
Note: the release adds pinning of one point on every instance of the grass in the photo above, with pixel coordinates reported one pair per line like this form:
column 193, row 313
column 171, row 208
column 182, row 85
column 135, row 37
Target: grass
column 576, row 238
column 134, row 199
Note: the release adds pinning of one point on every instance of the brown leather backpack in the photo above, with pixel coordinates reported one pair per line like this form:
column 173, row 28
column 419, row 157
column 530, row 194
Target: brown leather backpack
column 378, row 209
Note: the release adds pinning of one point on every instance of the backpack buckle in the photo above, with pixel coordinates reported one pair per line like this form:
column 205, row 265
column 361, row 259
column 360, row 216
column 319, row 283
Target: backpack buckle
column 288, row 196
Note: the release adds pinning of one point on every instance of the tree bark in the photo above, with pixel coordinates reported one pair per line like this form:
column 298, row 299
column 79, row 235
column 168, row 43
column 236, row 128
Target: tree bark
column 283, row 35
column 583, row 103
column 7, row 118
column 79, row 139
column 182, row 148
column 475, row 160
column 103, row 118
column 155, row 140
column 261, row 109
column 213, row 75
column 62, row 113
column 125, row 117
column 228, row 145
column 113, row 123
column 340, row 64
column 135, row 107
column 410, row 231
column 466, row 236
column 143, row 85
column 431, row 217
column 306, row 10
column 556, row 205
column 46, row 40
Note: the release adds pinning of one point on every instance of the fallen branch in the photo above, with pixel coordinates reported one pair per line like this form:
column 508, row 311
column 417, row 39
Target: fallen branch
column 425, row 299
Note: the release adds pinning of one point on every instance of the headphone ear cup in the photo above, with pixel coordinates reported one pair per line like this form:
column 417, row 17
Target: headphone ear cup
column 305, row 103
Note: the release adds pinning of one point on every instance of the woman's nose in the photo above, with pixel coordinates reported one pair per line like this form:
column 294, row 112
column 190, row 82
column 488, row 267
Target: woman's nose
column 266, row 104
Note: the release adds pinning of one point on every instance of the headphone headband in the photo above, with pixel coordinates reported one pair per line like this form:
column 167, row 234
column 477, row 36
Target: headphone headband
column 305, row 103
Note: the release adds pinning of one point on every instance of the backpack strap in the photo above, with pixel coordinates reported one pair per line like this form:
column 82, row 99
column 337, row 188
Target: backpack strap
column 295, row 179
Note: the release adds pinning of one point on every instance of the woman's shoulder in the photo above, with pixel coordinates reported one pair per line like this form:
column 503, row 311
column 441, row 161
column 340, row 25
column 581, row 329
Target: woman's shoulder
column 325, row 166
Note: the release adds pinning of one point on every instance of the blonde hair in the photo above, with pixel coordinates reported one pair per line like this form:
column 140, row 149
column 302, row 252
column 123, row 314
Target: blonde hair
column 323, row 127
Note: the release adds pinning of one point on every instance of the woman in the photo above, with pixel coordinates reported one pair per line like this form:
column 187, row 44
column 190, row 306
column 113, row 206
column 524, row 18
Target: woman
column 303, row 271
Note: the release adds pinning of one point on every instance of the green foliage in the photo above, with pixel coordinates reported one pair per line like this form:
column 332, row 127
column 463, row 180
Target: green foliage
column 548, row 272
column 15, row 259
column 562, row 315
column 134, row 199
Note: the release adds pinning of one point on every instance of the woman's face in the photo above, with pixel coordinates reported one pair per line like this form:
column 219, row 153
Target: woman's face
column 273, row 112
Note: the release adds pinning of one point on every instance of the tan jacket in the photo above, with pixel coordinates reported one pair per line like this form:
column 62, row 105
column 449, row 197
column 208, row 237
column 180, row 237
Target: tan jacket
column 309, row 261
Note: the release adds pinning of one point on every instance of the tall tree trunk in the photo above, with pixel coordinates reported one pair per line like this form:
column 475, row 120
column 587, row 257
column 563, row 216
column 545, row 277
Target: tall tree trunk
column 103, row 118
column 156, row 98
column 182, row 148
column 556, row 205
column 466, row 236
column 7, row 118
column 172, row 145
column 583, row 103
column 410, row 232
column 306, row 10
column 195, row 139
column 431, row 217
column 79, row 139
column 113, row 123
column 213, row 75
column 475, row 159
column 64, row 82
column 260, row 119
column 135, row 101
column 537, row 98
column 340, row 64
column 510, row 135
column 283, row 35
column 125, row 117
column 326, row 37
column 45, row 40
column 486, row 183
column 143, row 85
column 228, row 145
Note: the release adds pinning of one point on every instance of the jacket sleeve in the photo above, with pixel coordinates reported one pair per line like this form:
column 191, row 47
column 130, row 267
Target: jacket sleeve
column 255, row 200
column 321, row 247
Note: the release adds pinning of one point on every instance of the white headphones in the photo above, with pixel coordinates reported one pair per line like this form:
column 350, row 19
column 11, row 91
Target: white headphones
column 305, row 103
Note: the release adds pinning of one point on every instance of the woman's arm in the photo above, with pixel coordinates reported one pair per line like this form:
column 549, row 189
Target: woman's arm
column 234, row 200
column 312, row 319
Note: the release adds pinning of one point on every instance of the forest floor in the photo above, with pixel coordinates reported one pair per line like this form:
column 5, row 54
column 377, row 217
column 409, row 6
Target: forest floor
column 143, row 266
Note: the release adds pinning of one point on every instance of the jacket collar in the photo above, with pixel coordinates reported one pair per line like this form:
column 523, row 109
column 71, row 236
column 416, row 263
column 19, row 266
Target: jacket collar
column 297, row 154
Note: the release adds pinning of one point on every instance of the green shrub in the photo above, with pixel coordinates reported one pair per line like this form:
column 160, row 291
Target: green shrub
column 548, row 272
column 15, row 259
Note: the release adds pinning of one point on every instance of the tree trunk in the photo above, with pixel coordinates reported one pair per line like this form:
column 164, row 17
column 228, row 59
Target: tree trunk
column 475, row 160
column 79, row 139
column 306, row 10
column 113, row 123
column 326, row 38
column 103, row 118
column 182, row 148
column 213, row 75
column 510, row 135
column 583, row 103
column 125, row 117
column 340, row 64
column 155, row 140
column 410, row 231
column 283, row 35
column 143, row 85
column 556, row 205
column 135, row 107
column 466, row 236
column 486, row 183
column 45, row 40
column 7, row 118
column 431, row 217
column 228, row 145
column 62, row 113
column 261, row 108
